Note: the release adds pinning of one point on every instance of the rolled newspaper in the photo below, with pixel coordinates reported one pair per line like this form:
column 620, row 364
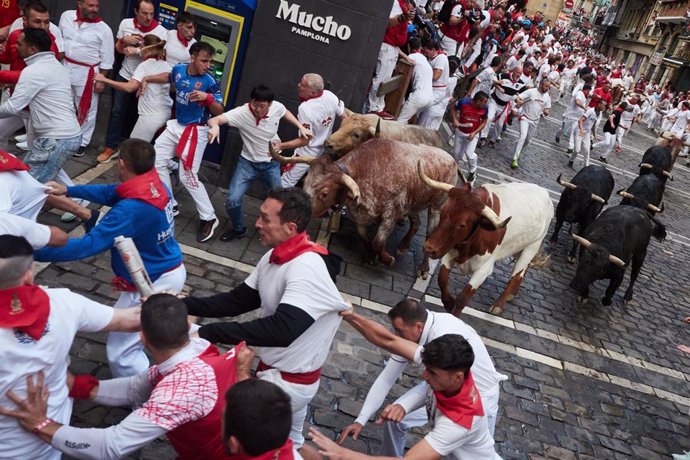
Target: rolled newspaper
column 135, row 266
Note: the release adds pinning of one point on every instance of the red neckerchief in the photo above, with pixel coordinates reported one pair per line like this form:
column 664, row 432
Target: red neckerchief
column 294, row 247
column 257, row 119
column 145, row 29
column 184, row 42
column 25, row 308
column 284, row 452
column 146, row 187
column 9, row 162
column 462, row 407
column 316, row 96
column 80, row 18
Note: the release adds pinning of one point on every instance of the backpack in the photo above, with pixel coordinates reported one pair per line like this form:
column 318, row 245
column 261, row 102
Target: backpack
column 444, row 13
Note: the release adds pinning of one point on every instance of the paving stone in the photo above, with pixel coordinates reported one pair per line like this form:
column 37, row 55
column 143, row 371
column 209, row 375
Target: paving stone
column 558, row 452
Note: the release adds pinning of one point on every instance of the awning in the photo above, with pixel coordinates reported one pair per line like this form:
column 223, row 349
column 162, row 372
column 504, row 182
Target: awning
column 675, row 62
column 671, row 19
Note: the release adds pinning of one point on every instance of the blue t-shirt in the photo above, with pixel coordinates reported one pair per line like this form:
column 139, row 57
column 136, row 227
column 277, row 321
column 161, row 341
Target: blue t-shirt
column 188, row 112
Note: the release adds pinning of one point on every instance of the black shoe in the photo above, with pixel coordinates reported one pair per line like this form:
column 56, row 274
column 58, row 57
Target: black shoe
column 472, row 177
column 80, row 151
column 558, row 139
column 569, row 151
column 176, row 210
column 603, row 160
column 233, row 234
column 206, row 229
column 570, row 164
column 90, row 223
column 492, row 144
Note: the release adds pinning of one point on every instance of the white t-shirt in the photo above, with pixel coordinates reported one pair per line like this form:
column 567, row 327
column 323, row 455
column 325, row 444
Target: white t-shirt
column 681, row 122
column 256, row 136
column 130, row 63
column 573, row 111
column 303, row 282
column 175, row 51
column 21, row 194
column 440, row 61
column 423, row 75
column 534, row 103
column 569, row 73
column 319, row 115
column 156, row 98
column 18, row 24
column 69, row 314
column 591, row 117
column 36, row 234
column 485, row 81
column 544, row 71
column 89, row 43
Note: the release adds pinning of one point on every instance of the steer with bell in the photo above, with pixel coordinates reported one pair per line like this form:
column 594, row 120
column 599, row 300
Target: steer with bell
column 646, row 192
column 618, row 236
column 582, row 200
column 483, row 225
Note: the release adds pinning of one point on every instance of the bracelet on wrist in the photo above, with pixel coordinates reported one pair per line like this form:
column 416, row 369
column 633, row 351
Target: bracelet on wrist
column 47, row 421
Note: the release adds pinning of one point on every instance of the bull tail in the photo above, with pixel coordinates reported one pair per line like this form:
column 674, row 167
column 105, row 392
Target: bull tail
column 659, row 230
column 540, row 260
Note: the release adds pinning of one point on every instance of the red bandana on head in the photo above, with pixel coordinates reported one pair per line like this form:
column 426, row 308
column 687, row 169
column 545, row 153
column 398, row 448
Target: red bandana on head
column 295, row 246
column 145, row 187
column 284, row 452
column 145, row 29
column 25, row 308
column 462, row 407
column 9, row 162
column 81, row 18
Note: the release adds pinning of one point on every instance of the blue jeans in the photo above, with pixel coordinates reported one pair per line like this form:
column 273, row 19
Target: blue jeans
column 121, row 103
column 269, row 175
column 46, row 156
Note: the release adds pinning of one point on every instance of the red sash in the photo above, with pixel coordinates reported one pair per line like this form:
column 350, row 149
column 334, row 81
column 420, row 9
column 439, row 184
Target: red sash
column 257, row 119
column 146, row 187
column 25, row 308
column 295, row 246
column 145, row 29
column 81, row 18
column 307, row 378
column 87, row 95
column 191, row 134
column 462, row 407
column 9, row 162
column 184, row 42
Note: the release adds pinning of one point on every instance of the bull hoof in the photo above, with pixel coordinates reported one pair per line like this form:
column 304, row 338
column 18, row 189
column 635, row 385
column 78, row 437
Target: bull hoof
column 606, row 301
column 496, row 310
column 510, row 298
column 389, row 262
column 423, row 274
column 570, row 259
column 629, row 303
column 581, row 300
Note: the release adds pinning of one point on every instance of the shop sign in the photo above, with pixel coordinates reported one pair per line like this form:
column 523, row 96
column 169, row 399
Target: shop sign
column 309, row 25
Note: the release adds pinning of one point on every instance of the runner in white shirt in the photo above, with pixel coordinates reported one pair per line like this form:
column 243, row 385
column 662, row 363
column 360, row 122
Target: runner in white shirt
column 574, row 110
column 317, row 112
column 413, row 322
column 154, row 103
column 89, row 48
column 41, row 342
column 181, row 39
column 535, row 103
column 506, row 87
column 38, row 235
column 583, row 132
column 422, row 95
column 629, row 116
column 567, row 78
column 431, row 118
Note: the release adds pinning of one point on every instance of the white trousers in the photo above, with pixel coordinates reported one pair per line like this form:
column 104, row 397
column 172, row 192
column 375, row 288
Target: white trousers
column 90, row 123
column 621, row 131
column 148, row 125
column 300, row 397
column 385, row 65
column 291, row 177
column 450, row 47
column 568, row 128
column 581, row 142
column 607, row 143
column 125, row 352
column 417, row 102
column 395, row 434
column 527, row 130
column 464, row 150
column 432, row 117
column 165, row 151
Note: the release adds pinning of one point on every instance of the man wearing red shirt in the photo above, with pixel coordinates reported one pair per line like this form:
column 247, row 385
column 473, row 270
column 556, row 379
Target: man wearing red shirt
column 603, row 93
column 469, row 118
column 9, row 11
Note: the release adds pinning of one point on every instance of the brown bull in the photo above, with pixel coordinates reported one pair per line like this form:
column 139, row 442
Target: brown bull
column 358, row 128
column 379, row 184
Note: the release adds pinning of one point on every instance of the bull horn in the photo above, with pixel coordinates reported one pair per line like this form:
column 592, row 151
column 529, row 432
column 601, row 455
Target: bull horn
column 615, row 260
column 627, row 195
column 583, row 242
column 564, row 183
column 667, row 174
column 377, row 133
column 653, row 208
column 288, row 160
column 661, row 207
column 596, row 197
column 493, row 218
column 646, row 166
column 433, row 183
column 350, row 183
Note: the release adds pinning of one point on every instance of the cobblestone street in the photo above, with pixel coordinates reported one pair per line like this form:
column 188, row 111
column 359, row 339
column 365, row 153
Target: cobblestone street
column 585, row 381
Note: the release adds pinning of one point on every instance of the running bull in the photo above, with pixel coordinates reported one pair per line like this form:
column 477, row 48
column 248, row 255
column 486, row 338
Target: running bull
column 483, row 225
column 582, row 200
column 358, row 128
column 646, row 192
column 618, row 236
column 378, row 183
column 657, row 160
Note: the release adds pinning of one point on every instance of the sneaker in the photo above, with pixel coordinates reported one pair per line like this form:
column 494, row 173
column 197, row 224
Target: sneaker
column 514, row 164
column 176, row 210
column 603, row 160
column 472, row 176
column 68, row 217
column 107, row 154
column 233, row 234
column 20, row 138
column 23, row 145
column 570, row 164
column 206, row 229
column 569, row 151
column 385, row 115
column 81, row 151
column 558, row 139
column 492, row 144
column 90, row 223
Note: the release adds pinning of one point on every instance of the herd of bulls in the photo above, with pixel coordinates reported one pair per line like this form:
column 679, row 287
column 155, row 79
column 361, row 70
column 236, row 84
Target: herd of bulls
column 383, row 171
